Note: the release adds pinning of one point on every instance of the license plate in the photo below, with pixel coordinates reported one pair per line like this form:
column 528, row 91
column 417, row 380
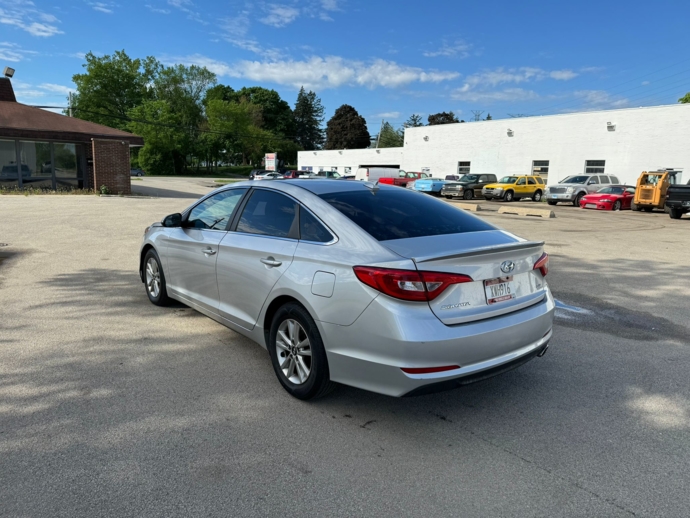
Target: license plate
column 499, row 290
column 590, row 206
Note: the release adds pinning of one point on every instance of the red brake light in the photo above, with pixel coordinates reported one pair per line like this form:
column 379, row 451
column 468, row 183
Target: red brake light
column 542, row 264
column 410, row 285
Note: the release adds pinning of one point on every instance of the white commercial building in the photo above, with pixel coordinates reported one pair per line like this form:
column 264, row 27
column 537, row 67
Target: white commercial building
column 618, row 142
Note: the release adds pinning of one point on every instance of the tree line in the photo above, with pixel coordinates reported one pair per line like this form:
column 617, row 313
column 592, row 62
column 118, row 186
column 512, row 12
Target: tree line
column 189, row 121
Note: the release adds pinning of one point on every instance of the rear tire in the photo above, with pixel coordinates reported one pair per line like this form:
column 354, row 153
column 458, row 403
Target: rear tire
column 675, row 213
column 617, row 205
column 536, row 196
column 509, row 196
column 551, row 202
column 293, row 360
column 468, row 195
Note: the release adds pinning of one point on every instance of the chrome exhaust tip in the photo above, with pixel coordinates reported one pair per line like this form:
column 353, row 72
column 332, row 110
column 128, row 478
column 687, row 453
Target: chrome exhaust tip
column 543, row 351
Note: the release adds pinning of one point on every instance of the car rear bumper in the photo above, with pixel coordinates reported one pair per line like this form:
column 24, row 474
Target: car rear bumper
column 391, row 335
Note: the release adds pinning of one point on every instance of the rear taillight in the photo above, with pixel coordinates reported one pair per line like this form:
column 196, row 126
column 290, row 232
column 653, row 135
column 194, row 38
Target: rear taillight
column 408, row 284
column 543, row 264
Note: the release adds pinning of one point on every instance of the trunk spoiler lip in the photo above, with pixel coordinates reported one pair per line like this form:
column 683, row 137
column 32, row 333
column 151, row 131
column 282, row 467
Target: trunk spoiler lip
column 483, row 250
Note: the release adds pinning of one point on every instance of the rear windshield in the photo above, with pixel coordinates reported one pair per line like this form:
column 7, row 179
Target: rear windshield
column 400, row 214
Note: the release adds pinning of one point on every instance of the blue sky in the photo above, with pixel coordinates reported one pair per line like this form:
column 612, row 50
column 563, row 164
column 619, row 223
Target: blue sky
column 388, row 59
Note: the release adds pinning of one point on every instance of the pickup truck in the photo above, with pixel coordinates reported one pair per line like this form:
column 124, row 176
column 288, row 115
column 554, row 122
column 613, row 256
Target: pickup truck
column 403, row 179
column 678, row 200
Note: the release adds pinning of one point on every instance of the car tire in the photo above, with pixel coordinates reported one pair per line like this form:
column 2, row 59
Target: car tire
column 468, row 195
column 675, row 213
column 154, row 279
column 317, row 383
column 536, row 196
column 449, row 197
column 578, row 198
column 634, row 206
column 617, row 205
column 551, row 202
column 509, row 196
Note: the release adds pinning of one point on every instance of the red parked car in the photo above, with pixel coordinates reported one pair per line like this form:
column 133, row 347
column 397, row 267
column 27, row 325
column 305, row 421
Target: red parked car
column 613, row 197
column 296, row 174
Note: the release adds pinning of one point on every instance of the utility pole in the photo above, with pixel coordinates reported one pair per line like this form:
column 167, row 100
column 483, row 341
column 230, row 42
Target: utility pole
column 378, row 137
column 70, row 104
column 477, row 114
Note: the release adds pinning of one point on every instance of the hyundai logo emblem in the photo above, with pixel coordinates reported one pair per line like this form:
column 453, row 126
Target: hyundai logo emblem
column 507, row 266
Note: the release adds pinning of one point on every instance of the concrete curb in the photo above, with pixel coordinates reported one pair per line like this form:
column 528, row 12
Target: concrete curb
column 472, row 207
column 128, row 196
column 524, row 211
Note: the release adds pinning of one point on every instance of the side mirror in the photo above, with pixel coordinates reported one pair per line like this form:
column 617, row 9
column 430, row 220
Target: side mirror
column 173, row 220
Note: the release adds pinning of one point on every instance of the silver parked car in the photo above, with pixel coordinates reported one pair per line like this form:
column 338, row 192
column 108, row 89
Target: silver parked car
column 369, row 285
column 573, row 188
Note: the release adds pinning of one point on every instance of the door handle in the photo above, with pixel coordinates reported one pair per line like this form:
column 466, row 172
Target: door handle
column 209, row 251
column 270, row 261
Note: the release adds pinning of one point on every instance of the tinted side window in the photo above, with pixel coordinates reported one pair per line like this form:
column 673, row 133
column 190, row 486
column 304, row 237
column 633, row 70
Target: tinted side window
column 269, row 213
column 593, row 180
column 215, row 212
column 531, row 181
column 482, row 179
column 521, row 181
column 614, row 180
column 539, row 180
column 311, row 229
column 604, row 179
column 399, row 213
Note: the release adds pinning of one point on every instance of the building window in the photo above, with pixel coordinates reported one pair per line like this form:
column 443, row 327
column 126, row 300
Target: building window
column 8, row 164
column 540, row 167
column 594, row 166
column 463, row 168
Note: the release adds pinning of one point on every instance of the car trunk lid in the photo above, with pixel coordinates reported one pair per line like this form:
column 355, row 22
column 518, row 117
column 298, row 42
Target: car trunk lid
column 480, row 255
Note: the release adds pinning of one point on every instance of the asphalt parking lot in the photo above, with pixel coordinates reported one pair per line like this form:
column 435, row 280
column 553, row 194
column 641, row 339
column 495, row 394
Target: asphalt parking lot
column 110, row 406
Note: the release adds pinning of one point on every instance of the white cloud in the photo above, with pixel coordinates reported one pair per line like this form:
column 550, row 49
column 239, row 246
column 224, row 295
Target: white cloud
column 481, row 86
column 186, row 7
column 157, row 9
column 330, row 5
column 51, row 87
column 599, row 100
column 102, row 7
column 507, row 94
column 563, row 75
column 387, row 115
column 13, row 52
column 235, row 32
column 78, row 55
column 279, row 15
column 458, row 49
column 322, row 73
column 24, row 15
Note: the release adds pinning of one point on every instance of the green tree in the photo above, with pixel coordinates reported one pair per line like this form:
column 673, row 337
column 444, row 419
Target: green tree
column 276, row 113
column 308, row 114
column 685, row 98
column 111, row 86
column 159, row 125
column 347, row 129
column 442, row 118
column 390, row 137
column 218, row 92
column 240, row 124
column 415, row 121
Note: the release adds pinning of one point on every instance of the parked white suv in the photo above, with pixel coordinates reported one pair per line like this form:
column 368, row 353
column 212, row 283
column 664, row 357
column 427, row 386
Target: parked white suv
column 573, row 188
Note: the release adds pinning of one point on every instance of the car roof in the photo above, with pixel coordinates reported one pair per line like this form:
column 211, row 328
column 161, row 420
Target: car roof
column 320, row 186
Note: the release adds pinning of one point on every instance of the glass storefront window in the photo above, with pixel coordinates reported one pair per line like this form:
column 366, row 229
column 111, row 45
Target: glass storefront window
column 36, row 157
column 8, row 164
column 65, row 160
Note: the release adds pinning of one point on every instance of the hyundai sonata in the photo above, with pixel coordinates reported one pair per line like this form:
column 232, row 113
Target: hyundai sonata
column 368, row 285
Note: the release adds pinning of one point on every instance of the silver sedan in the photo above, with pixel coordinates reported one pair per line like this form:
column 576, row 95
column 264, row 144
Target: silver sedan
column 371, row 286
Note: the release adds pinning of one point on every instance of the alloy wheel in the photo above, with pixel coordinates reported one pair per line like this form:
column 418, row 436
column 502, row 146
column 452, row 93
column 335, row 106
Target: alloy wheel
column 153, row 277
column 293, row 351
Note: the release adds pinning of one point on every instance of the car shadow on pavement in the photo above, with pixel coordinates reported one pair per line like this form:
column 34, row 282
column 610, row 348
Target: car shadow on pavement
column 164, row 193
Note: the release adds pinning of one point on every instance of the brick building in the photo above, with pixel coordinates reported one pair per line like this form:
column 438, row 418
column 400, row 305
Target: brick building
column 53, row 151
